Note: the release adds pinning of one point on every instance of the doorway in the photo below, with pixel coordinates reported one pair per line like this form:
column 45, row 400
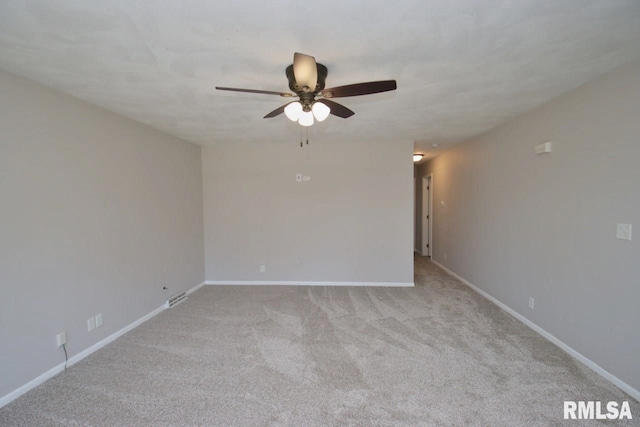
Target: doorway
column 427, row 216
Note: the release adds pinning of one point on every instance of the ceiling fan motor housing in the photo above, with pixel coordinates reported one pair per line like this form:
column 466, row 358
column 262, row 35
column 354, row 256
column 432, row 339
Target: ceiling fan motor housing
column 322, row 76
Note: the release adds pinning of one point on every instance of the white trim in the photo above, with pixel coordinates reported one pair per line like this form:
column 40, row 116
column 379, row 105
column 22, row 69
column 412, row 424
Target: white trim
column 585, row 360
column 425, row 209
column 416, row 250
column 302, row 283
column 195, row 288
column 11, row 396
column 432, row 212
column 97, row 346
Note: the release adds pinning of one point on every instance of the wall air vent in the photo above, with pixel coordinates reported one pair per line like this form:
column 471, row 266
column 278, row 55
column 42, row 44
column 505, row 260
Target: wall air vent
column 176, row 299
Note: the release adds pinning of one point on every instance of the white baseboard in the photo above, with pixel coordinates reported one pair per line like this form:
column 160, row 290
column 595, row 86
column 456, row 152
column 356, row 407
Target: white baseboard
column 195, row 288
column 302, row 283
column 585, row 360
column 97, row 346
column 11, row 396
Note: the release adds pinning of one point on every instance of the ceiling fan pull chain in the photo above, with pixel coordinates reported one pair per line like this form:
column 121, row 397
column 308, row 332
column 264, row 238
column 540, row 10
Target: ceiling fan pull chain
column 301, row 145
column 307, row 136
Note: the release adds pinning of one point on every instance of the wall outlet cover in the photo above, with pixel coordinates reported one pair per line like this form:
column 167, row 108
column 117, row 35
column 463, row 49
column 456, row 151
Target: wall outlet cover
column 623, row 231
column 61, row 338
column 543, row 148
column 91, row 324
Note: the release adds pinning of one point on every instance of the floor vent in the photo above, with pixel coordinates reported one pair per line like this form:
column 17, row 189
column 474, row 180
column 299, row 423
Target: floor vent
column 176, row 299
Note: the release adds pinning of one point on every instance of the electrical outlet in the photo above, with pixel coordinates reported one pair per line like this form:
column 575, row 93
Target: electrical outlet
column 531, row 302
column 623, row 231
column 98, row 320
column 263, row 268
column 61, row 339
column 91, row 324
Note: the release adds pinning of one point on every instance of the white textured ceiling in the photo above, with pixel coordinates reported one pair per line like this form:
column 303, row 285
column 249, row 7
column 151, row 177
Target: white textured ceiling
column 462, row 67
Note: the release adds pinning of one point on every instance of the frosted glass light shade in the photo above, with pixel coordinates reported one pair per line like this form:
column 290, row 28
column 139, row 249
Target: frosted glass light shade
column 293, row 111
column 306, row 118
column 417, row 157
column 320, row 111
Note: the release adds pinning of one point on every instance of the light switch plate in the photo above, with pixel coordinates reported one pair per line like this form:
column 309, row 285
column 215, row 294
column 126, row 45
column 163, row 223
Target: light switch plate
column 91, row 324
column 543, row 148
column 306, row 178
column 98, row 320
column 623, row 231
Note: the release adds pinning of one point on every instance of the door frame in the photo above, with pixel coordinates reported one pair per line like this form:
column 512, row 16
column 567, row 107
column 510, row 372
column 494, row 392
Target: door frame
column 427, row 223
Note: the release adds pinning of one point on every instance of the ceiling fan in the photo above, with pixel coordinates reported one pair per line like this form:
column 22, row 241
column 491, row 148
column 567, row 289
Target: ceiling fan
column 307, row 79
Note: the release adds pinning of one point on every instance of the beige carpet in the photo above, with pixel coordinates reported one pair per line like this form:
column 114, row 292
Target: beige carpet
column 436, row 354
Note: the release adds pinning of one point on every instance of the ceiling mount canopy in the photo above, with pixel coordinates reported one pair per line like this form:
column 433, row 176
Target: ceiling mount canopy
column 307, row 82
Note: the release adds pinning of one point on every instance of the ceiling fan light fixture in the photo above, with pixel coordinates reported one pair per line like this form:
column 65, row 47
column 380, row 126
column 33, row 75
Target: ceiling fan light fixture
column 306, row 118
column 417, row 157
column 293, row 111
column 320, row 111
column 307, row 82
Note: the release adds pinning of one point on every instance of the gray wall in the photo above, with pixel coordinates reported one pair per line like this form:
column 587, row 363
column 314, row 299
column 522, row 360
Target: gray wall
column 518, row 225
column 351, row 223
column 97, row 213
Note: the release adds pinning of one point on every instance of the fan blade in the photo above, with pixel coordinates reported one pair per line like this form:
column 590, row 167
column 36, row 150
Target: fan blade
column 337, row 109
column 278, row 111
column 305, row 71
column 264, row 92
column 360, row 89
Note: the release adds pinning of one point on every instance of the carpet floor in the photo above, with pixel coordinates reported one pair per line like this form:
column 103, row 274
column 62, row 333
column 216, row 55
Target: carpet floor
column 437, row 354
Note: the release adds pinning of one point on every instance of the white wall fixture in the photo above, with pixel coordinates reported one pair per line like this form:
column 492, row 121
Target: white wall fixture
column 623, row 231
column 543, row 148
column 61, row 338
